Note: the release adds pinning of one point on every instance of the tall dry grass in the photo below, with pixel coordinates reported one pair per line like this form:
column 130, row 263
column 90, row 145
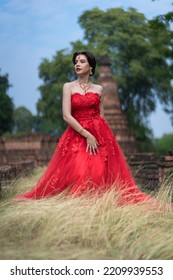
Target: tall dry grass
column 90, row 228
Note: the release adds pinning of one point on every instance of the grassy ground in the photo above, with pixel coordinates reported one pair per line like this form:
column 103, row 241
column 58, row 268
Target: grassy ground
column 65, row 228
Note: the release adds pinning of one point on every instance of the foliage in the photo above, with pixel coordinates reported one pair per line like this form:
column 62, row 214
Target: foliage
column 139, row 57
column 6, row 106
column 160, row 20
column 45, row 125
column 164, row 144
column 158, row 26
column 143, row 135
column 54, row 74
column 23, row 120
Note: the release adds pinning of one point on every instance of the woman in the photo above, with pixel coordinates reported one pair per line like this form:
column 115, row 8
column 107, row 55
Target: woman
column 88, row 158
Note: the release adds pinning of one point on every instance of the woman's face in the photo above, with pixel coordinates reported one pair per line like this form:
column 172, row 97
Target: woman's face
column 82, row 65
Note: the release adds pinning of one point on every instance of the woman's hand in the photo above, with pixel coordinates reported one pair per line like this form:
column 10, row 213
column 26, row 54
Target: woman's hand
column 92, row 144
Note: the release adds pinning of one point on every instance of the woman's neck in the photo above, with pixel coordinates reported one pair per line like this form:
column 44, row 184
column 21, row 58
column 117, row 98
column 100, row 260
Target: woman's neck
column 84, row 84
column 84, row 79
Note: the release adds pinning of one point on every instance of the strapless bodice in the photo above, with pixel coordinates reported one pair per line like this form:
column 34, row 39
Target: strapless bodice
column 85, row 106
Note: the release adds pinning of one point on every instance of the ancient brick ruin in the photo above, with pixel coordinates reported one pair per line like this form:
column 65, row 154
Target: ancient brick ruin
column 149, row 170
column 32, row 146
column 20, row 155
column 112, row 108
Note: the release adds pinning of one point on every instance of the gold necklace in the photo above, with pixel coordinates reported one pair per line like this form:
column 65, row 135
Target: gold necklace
column 84, row 86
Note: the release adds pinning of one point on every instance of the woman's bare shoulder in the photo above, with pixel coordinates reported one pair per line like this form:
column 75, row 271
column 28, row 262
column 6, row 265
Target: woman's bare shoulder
column 67, row 87
column 98, row 89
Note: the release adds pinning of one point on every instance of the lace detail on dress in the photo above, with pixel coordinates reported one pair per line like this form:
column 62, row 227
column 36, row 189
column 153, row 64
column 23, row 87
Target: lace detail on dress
column 85, row 106
column 63, row 142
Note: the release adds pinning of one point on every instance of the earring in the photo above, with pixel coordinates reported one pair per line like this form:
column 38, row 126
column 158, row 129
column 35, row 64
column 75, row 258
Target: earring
column 91, row 71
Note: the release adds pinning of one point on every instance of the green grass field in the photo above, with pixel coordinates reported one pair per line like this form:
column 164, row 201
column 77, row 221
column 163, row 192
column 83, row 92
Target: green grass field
column 80, row 229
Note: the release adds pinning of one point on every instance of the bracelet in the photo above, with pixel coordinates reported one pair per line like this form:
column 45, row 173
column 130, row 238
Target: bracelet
column 80, row 131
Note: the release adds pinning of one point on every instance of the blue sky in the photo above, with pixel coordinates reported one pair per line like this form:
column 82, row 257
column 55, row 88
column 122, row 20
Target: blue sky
column 31, row 30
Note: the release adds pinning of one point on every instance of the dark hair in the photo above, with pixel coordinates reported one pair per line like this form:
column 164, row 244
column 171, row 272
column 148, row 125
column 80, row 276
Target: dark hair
column 90, row 57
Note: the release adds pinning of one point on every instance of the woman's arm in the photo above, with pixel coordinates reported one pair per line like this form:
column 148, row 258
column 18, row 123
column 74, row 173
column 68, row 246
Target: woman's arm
column 66, row 109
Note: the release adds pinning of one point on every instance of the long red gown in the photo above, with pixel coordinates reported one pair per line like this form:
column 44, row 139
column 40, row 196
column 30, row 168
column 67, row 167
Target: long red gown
column 75, row 171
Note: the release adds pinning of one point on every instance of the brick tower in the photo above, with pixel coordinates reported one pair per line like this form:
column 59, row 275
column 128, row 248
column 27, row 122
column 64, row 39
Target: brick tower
column 113, row 113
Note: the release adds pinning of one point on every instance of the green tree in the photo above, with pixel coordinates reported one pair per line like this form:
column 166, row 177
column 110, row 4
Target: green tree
column 160, row 20
column 54, row 73
column 6, row 106
column 23, row 120
column 45, row 125
column 158, row 24
column 163, row 145
column 139, row 57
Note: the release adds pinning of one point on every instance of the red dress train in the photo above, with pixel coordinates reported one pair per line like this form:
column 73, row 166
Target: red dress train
column 75, row 171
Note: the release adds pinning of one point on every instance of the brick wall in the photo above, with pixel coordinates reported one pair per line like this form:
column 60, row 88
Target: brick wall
column 19, row 155
column 150, row 170
column 33, row 146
